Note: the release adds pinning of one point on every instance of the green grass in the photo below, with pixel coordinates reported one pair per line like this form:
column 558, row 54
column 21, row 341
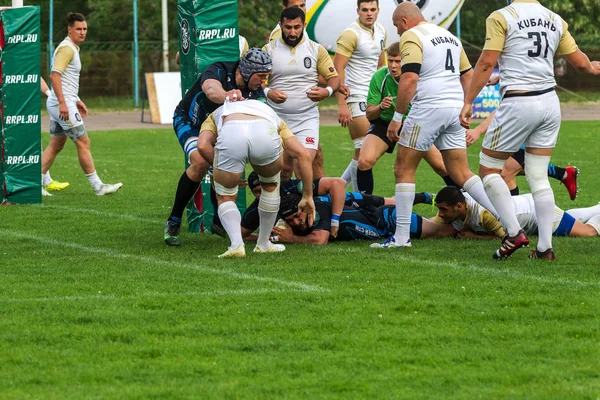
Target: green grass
column 94, row 305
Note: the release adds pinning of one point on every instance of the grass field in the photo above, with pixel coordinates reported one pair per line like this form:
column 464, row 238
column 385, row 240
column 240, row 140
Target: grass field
column 94, row 305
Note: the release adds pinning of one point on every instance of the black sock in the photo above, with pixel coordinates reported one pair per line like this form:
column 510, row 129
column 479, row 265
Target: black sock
column 422, row 198
column 185, row 190
column 365, row 181
column 515, row 191
column 449, row 182
column 556, row 172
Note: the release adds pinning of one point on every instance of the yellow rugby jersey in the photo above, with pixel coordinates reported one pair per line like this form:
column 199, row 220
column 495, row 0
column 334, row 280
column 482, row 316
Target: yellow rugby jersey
column 442, row 59
column 257, row 108
column 363, row 47
column 528, row 35
column 478, row 219
column 67, row 63
column 295, row 71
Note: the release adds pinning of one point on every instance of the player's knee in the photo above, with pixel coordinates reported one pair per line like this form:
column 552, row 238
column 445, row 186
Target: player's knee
column 365, row 163
column 225, row 191
column 270, row 183
column 490, row 162
column 269, row 201
column 536, row 172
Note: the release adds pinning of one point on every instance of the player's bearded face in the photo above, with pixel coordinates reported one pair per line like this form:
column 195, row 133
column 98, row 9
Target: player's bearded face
column 292, row 31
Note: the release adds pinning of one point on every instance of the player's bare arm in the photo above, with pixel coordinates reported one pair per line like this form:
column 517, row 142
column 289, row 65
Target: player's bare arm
column 406, row 91
column 340, row 62
column 297, row 151
column 474, row 134
column 483, row 71
column 374, row 110
column 317, row 93
column 580, row 61
column 215, row 92
column 317, row 238
column 206, row 145
column 82, row 108
column 56, row 80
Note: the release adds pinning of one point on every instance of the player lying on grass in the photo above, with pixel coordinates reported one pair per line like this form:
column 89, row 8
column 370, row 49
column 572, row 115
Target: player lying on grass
column 243, row 132
column 471, row 220
column 515, row 164
column 364, row 218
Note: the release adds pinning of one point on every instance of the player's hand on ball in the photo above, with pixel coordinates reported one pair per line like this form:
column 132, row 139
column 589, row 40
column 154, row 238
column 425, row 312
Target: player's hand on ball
column 317, row 93
column 393, row 131
column 386, row 103
column 277, row 96
column 465, row 115
column 234, row 95
column 307, row 205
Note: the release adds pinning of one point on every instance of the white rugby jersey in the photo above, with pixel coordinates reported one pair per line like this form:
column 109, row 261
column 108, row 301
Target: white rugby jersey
column 67, row 63
column 442, row 60
column 363, row 47
column 257, row 108
column 527, row 35
column 295, row 71
column 525, row 210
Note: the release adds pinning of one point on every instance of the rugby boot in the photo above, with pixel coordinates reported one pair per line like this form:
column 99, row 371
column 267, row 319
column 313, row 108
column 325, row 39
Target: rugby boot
column 510, row 244
column 390, row 243
column 273, row 248
column 543, row 255
column 238, row 252
column 55, row 186
column 107, row 188
column 171, row 233
column 570, row 181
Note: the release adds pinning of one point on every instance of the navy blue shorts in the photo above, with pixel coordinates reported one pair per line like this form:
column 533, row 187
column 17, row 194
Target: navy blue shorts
column 183, row 130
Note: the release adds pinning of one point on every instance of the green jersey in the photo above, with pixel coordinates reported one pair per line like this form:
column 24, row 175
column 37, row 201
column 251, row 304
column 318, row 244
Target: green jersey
column 383, row 85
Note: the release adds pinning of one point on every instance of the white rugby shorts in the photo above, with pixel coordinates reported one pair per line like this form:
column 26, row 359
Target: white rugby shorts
column 425, row 127
column 246, row 141
column 74, row 120
column 357, row 106
column 530, row 120
column 305, row 127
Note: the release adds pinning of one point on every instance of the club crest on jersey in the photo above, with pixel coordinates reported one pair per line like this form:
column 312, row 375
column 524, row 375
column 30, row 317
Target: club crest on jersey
column 185, row 36
column 419, row 3
column 363, row 106
column 307, row 62
column 381, row 45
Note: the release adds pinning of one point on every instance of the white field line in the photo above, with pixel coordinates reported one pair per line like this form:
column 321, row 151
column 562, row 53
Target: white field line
column 106, row 214
column 501, row 272
column 241, row 292
column 151, row 260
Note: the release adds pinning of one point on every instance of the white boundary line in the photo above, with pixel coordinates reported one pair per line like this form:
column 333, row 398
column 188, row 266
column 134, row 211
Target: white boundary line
column 502, row 272
column 105, row 214
column 151, row 260
column 241, row 292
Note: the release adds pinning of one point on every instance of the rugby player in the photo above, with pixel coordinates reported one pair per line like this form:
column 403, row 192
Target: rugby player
column 220, row 81
column 435, row 70
column 473, row 221
column 244, row 132
column 381, row 101
column 359, row 53
column 293, row 90
column 66, row 110
column 522, row 39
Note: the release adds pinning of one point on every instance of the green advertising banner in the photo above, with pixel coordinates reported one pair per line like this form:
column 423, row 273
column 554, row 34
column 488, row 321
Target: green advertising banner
column 21, row 123
column 208, row 33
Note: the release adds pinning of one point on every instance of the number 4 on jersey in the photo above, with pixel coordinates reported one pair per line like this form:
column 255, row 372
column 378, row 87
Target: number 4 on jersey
column 449, row 62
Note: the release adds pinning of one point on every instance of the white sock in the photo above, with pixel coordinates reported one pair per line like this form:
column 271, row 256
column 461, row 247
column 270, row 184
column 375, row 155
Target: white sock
column 475, row 188
column 544, row 209
column 353, row 171
column 267, row 212
column 46, row 179
column 499, row 196
column 94, row 180
column 347, row 175
column 405, row 196
column 231, row 219
column 583, row 214
column 595, row 222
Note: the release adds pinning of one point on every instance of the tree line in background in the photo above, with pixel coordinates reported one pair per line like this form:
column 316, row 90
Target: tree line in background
column 111, row 20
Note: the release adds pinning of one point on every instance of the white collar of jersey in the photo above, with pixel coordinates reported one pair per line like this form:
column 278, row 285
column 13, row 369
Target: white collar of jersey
column 370, row 30
column 69, row 39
